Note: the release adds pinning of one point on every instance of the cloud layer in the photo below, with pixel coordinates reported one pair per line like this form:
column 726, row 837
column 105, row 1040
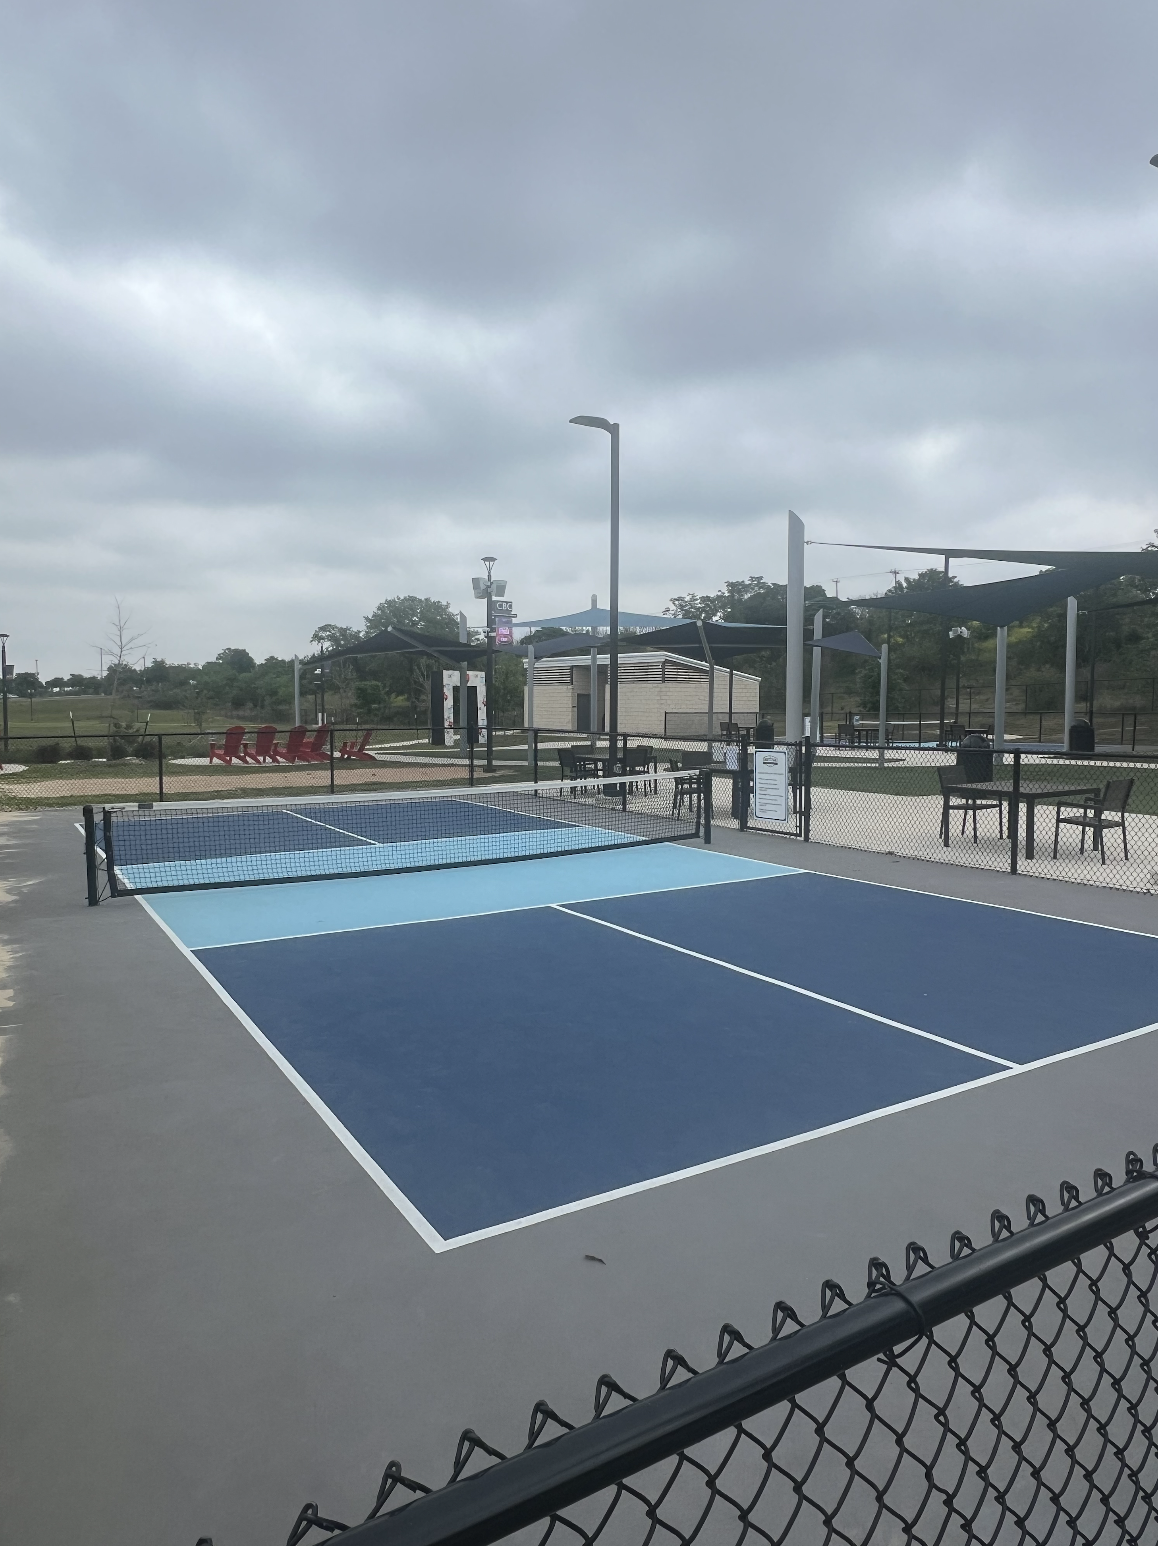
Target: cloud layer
column 296, row 300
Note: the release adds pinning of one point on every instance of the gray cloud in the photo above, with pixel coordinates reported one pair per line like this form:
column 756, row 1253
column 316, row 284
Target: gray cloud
column 296, row 301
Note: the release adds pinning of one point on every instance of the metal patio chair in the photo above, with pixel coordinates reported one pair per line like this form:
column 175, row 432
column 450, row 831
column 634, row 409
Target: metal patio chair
column 954, row 783
column 1096, row 813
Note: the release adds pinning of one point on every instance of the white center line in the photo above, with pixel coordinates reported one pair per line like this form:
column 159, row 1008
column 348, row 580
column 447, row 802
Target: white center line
column 791, row 987
column 329, row 825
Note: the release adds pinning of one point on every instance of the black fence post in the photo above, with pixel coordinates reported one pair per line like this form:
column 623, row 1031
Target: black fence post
column 469, row 761
column 706, row 800
column 534, row 756
column 107, row 839
column 745, row 775
column 331, row 759
column 1015, row 812
column 90, row 861
column 160, row 766
column 805, row 755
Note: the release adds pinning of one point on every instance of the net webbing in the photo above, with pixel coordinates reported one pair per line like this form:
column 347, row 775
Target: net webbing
column 178, row 848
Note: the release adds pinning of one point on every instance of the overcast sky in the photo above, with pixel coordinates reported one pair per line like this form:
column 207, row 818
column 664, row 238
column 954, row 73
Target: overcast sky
column 297, row 299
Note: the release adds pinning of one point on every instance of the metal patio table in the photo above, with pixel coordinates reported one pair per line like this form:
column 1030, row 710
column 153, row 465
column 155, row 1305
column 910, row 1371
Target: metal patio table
column 1029, row 795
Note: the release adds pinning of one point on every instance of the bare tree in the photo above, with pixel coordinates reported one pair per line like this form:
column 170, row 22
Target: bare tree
column 120, row 642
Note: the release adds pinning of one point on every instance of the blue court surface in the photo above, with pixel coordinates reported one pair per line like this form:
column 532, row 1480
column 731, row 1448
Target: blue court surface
column 500, row 1044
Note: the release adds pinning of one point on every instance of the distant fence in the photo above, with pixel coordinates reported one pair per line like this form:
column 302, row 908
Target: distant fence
column 691, row 722
column 1006, row 1395
column 132, row 765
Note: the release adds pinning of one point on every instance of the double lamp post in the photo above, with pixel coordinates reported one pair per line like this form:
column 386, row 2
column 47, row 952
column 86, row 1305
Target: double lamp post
column 591, row 422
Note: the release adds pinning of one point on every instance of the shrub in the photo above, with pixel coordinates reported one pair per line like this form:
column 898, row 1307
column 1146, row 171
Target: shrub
column 49, row 752
column 81, row 752
column 118, row 750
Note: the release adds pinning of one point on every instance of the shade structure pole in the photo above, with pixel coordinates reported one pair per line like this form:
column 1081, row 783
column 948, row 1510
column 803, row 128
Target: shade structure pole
column 530, row 715
column 593, row 696
column 464, row 708
column 1071, row 667
column 794, row 661
column 711, row 665
column 814, row 706
column 613, row 647
column 883, row 711
column 999, row 692
column 297, row 691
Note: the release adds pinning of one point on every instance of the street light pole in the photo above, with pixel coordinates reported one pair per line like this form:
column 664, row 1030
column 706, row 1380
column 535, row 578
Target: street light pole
column 590, row 422
column 490, row 672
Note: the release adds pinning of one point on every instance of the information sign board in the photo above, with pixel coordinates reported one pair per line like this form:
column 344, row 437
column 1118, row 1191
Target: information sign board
column 770, row 802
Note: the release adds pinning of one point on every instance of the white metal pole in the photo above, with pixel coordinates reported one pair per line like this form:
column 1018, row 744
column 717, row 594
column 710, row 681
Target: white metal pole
column 814, row 706
column 530, row 716
column 297, row 691
column 999, row 693
column 883, row 711
column 794, row 662
column 1071, row 667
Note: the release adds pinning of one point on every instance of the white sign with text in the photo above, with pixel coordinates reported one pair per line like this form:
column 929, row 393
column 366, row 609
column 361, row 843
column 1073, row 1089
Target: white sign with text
column 770, row 801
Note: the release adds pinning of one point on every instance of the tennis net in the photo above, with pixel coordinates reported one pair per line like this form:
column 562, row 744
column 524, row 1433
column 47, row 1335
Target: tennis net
column 257, row 842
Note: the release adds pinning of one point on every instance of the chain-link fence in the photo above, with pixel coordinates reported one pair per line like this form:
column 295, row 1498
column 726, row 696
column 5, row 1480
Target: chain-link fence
column 1092, row 819
column 1006, row 1395
column 131, row 765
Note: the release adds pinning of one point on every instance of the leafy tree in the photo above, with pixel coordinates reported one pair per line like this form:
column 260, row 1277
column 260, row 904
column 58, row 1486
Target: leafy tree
column 240, row 661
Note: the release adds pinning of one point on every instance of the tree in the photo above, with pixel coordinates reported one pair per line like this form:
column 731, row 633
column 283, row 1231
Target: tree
column 237, row 660
column 120, row 642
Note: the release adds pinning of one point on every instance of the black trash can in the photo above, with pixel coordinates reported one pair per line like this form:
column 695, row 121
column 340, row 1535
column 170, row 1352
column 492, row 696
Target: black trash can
column 764, row 733
column 1081, row 736
column 975, row 756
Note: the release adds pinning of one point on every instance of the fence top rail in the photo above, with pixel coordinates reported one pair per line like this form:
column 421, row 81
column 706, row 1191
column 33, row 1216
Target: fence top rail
column 530, row 1486
column 477, row 792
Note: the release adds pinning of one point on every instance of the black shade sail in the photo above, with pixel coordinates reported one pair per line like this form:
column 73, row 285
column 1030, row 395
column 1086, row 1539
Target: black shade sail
column 404, row 641
column 999, row 603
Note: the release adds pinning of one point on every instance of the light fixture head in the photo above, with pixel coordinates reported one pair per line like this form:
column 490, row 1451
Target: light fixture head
column 480, row 586
column 589, row 422
column 1154, row 160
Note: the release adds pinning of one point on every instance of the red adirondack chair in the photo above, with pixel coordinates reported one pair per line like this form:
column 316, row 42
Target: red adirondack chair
column 232, row 745
column 357, row 749
column 293, row 745
column 317, row 750
column 262, row 750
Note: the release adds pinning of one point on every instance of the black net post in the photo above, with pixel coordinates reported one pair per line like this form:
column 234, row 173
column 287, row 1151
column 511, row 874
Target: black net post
column 804, row 757
column 331, row 759
column 160, row 766
column 90, row 859
column 1015, row 813
column 107, row 839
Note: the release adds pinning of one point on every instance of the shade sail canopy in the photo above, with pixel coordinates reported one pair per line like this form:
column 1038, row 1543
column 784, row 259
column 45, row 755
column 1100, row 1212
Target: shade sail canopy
column 404, row 641
column 851, row 643
column 727, row 640
column 999, row 603
column 600, row 617
column 567, row 644
column 1111, row 564
column 724, row 640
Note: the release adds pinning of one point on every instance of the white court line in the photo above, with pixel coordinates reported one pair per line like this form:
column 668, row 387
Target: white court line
column 973, row 901
column 792, row 987
column 345, row 831
column 407, row 1209
column 438, row 1244
column 493, row 912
